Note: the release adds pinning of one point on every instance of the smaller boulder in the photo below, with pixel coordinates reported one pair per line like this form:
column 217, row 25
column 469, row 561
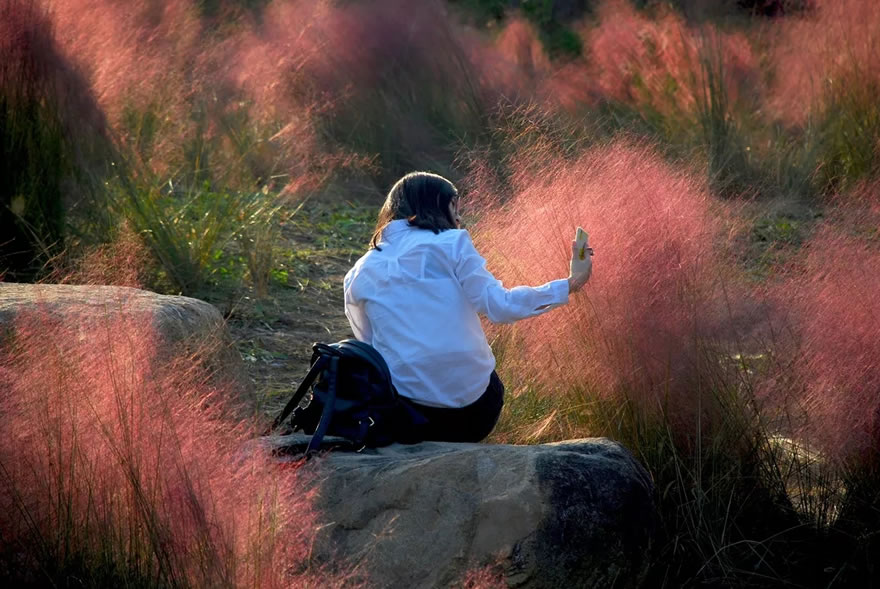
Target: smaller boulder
column 185, row 327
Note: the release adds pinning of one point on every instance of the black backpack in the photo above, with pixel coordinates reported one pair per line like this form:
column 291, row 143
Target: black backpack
column 352, row 397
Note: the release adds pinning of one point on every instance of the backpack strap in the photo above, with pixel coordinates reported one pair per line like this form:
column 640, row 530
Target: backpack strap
column 313, row 373
column 329, row 407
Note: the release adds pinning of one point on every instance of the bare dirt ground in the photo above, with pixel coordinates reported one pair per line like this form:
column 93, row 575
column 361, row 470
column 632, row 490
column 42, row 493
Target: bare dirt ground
column 305, row 305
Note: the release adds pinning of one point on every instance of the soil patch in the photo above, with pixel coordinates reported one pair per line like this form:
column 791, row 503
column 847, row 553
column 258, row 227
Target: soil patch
column 305, row 302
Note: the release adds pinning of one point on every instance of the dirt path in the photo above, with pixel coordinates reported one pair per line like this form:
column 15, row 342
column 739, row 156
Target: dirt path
column 305, row 305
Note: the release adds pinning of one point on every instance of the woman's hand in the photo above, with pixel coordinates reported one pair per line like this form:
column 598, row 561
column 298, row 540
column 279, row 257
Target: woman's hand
column 579, row 269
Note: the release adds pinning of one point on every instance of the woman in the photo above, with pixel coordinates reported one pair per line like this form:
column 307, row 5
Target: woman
column 415, row 297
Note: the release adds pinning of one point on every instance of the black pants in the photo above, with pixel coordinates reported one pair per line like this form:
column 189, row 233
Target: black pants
column 471, row 423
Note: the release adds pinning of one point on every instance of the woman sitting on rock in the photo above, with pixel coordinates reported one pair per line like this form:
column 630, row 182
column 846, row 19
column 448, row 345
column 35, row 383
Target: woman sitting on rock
column 415, row 296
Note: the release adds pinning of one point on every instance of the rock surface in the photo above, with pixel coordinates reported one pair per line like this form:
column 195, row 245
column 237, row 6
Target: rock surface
column 183, row 325
column 572, row 514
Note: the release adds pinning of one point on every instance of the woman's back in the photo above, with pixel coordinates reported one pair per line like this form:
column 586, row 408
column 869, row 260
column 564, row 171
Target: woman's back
column 407, row 301
column 415, row 297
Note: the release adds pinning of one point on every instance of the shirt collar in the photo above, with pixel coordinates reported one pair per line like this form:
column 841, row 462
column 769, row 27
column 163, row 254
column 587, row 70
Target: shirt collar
column 395, row 226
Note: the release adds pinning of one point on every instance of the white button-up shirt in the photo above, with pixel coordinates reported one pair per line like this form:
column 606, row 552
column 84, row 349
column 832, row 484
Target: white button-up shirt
column 416, row 301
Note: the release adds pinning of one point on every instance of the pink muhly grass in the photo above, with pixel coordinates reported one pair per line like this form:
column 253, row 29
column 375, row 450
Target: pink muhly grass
column 190, row 97
column 517, row 68
column 402, row 81
column 34, row 69
column 306, row 88
column 124, row 467
column 134, row 54
column 489, row 577
column 827, row 85
column 635, row 330
column 519, row 44
column 832, row 49
column 273, row 65
column 520, row 70
column 383, row 87
column 656, row 62
column 268, row 60
column 124, row 261
column 830, row 370
column 143, row 64
column 856, row 210
column 369, row 47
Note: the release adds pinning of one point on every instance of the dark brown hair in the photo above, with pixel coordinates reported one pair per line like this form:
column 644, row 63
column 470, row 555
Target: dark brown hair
column 422, row 199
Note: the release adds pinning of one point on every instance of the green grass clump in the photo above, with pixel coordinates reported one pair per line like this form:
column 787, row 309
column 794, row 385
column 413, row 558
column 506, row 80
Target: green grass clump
column 849, row 127
column 729, row 168
column 258, row 232
column 189, row 231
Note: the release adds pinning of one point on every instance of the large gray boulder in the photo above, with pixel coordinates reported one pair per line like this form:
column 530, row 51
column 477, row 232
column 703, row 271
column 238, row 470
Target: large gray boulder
column 572, row 514
column 184, row 327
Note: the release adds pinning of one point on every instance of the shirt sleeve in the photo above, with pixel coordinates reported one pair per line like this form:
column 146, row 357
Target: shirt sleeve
column 488, row 295
column 354, row 311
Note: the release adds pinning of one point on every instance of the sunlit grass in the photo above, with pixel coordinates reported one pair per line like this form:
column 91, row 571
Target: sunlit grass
column 125, row 467
column 745, row 413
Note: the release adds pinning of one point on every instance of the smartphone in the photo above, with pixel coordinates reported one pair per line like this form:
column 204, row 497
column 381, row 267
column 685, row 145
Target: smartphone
column 581, row 238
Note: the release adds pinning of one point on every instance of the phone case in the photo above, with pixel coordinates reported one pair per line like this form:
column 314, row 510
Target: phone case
column 581, row 238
